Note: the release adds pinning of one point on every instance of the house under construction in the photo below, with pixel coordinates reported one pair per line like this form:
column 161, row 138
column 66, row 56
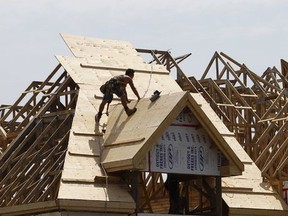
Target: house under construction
column 217, row 145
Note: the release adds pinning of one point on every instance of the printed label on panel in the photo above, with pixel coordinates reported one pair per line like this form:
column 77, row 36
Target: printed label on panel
column 185, row 148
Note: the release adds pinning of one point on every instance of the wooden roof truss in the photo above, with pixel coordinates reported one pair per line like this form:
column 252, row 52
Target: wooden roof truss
column 284, row 70
column 31, row 173
column 32, row 163
column 165, row 58
column 253, row 107
column 35, row 131
column 38, row 99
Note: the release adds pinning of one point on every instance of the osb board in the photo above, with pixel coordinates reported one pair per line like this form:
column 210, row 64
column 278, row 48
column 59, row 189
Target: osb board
column 237, row 149
column 243, row 183
column 254, row 201
column 106, row 192
column 251, row 172
column 216, row 129
column 83, row 156
column 251, row 185
column 84, row 120
column 112, row 53
column 82, row 161
column 93, row 47
column 84, row 145
column 87, row 76
column 91, row 79
column 78, row 183
column 256, row 212
column 122, row 129
column 122, row 141
column 92, row 206
column 81, row 168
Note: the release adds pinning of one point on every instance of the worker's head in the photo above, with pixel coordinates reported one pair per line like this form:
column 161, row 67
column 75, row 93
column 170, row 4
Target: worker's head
column 130, row 72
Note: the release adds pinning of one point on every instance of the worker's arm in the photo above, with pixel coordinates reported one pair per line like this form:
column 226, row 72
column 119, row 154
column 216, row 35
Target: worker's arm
column 130, row 81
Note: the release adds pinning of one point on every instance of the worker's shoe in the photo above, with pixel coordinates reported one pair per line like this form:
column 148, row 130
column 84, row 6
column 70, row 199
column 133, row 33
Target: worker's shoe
column 98, row 117
column 129, row 112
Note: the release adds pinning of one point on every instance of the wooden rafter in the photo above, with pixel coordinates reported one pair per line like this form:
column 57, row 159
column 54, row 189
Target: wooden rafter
column 284, row 69
column 32, row 163
column 44, row 160
column 253, row 107
column 165, row 58
column 38, row 98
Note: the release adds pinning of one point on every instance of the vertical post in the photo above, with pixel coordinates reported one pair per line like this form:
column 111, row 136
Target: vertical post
column 134, row 189
column 187, row 197
column 218, row 196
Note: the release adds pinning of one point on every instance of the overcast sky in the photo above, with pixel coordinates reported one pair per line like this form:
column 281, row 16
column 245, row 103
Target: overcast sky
column 253, row 32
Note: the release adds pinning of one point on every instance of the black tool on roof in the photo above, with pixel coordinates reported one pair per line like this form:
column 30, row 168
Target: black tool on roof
column 155, row 96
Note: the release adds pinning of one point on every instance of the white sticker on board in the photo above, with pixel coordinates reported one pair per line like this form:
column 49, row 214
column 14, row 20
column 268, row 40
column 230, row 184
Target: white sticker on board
column 185, row 148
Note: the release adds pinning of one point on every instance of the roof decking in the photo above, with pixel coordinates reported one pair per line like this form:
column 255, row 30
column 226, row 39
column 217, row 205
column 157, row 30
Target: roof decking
column 128, row 140
column 84, row 185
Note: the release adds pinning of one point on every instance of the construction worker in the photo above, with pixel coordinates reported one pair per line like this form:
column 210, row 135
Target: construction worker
column 117, row 85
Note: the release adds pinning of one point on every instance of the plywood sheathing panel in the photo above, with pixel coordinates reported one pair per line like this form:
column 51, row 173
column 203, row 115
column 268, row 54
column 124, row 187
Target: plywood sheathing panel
column 124, row 145
column 259, row 196
column 92, row 206
column 103, row 53
column 96, row 48
column 84, row 116
column 250, row 182
column 255, row 202
column 256, row 212
column 80, row 168
column 89, row 73
column 216, row 129
column 128, row 139
column 92, row 149
column 90, row 79
column 112, row 193
column 82, row 165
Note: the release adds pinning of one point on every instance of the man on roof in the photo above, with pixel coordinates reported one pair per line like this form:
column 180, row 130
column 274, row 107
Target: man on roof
column 117, row 85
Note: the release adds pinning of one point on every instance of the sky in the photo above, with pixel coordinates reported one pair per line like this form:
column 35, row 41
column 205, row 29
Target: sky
column 253, row 32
